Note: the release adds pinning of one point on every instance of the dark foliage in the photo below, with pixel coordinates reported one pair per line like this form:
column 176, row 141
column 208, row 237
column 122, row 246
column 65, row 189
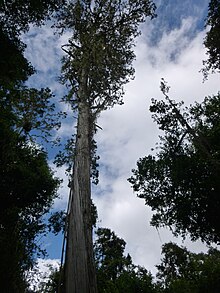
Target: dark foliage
column 17, row 15
column 115, row 271
column 27, row 185
column 14, row 66
column 181, row 182
column 212, row 40
column 182, row 271
column 27, row 190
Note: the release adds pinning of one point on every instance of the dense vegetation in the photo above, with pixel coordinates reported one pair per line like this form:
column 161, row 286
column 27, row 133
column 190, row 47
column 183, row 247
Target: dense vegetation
column 27, row 184
column 181, row 182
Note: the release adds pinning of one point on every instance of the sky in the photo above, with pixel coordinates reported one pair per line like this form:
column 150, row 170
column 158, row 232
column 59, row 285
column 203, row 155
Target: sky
column 170, row 47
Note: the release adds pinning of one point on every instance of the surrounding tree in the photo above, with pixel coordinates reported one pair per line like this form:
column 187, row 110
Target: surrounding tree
column 97, row 64
column 182, row 271
column 31, row 108
column 27, row 190
column 15, row 18
column 109, row 250
column 17, row 15
column 27, row 186
column 181, row 182
column 115, row 271
column 211, row 42
column 14, row 66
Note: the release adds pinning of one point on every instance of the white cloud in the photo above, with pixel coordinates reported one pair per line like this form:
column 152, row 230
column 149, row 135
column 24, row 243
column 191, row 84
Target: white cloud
column 40, row 50
column 45, row 264
column 42, row 271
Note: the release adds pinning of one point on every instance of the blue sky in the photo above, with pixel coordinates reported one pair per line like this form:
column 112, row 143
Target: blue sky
column 171, row 13
column 170, row 47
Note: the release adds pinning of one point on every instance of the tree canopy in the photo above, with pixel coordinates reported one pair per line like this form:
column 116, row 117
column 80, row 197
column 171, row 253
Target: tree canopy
column 183, row 271
column 101, row 46
column 181, row 182
column 115, row 271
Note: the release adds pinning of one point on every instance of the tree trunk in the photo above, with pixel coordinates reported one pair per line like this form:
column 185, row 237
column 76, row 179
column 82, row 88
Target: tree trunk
column 80, row 276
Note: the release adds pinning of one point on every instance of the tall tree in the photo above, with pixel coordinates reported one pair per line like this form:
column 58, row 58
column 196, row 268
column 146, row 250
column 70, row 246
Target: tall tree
column 97, row 65
column 181, row 182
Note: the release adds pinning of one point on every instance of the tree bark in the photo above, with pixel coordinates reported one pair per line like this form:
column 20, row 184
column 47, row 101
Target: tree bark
column 80, row 276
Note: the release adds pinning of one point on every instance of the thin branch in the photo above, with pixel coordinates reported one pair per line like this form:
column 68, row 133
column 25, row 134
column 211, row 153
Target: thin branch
column 68, row 52
column 72, row 44
column 181, row 139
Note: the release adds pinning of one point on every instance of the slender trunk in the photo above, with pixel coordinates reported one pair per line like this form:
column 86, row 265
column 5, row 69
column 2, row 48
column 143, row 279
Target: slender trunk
column 80, row 274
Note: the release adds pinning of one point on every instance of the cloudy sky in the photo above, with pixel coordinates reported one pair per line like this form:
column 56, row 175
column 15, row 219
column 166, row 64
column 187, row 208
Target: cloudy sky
column 170, row 47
